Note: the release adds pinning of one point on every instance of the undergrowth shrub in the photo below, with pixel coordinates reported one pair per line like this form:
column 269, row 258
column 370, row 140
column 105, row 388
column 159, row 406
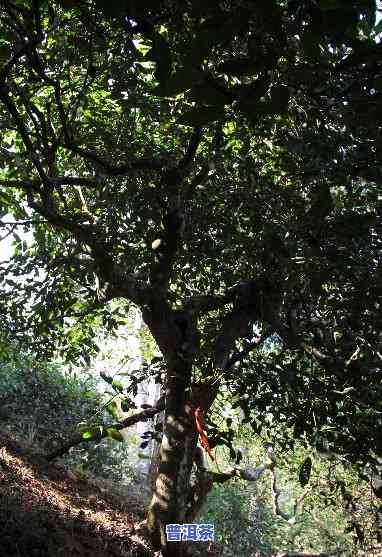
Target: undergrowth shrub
column 42, row 403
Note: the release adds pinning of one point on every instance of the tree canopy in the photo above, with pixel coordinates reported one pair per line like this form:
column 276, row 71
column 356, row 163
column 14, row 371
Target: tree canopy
column 216, row 164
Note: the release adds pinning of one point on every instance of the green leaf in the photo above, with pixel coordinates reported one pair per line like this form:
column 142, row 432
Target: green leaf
column 22, row 3
column 106, row 377
column 201, row 116
column 114, row 434
column 117, row 385
column 6, row 198
column 89, row 431
column 305, row 471
column 112, row 409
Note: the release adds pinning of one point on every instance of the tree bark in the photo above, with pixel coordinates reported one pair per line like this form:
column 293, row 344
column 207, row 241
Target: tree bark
column 158, row 423
column 172, row 486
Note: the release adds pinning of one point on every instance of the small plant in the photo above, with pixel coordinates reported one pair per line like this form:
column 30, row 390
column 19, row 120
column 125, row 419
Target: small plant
column 42, row 404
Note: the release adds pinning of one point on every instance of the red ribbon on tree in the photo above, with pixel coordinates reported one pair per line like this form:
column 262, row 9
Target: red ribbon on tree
column 200, row 427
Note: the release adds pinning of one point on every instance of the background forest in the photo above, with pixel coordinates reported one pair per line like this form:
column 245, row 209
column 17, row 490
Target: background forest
column 190, row 202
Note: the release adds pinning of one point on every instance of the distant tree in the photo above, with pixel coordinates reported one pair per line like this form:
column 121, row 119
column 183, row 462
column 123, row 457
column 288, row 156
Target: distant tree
column 217, row 164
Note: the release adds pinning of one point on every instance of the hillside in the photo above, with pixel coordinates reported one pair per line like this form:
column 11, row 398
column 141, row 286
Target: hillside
column 48, row 510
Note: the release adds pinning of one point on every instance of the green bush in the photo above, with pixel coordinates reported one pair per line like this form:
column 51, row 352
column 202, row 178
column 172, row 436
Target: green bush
column 43, row 400
column 228, row 507
column 42, row 403
column 335, row 513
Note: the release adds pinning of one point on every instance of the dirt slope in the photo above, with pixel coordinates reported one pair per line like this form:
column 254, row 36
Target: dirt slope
column 49, row 511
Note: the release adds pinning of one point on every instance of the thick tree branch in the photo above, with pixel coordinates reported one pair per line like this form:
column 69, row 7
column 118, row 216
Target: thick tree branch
column 250, row 293
column 26, row 185
column 118, row 170
column 165, row 249
column 55, row 181
column 75, row 181
column 22, row 222
column 205, row 480
column 276, row 493
column 7, row 68
column 199, row 179
column 204, row 303
column 186, row 162
column 167, row 245
column 119, row 281
column 236, row 324
column 77, row 439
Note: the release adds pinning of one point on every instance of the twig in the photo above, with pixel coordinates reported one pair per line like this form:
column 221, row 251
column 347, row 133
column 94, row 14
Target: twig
column 131, row 420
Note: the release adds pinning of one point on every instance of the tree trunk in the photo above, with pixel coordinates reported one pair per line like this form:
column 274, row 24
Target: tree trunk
column 172, row 486
column 155, row 445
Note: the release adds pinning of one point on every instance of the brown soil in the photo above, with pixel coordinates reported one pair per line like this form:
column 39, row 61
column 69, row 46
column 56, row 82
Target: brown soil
column 47, row 510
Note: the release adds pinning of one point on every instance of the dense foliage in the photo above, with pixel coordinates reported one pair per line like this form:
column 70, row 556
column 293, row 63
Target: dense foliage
column 340, row 513
column 217, row 164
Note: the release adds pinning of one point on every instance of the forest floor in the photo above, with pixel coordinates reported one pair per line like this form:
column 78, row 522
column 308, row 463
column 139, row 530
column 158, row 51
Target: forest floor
column 47, row 510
